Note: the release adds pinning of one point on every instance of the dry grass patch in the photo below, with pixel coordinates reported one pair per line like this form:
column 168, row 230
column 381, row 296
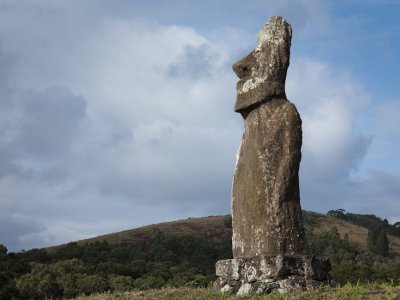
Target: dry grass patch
column 346, row 292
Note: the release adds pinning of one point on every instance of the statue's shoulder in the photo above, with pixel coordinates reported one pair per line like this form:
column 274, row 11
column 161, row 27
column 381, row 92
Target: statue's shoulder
column 289, row 106
column 291, row 111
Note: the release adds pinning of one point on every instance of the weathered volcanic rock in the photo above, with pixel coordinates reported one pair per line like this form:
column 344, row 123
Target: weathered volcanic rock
column 266, row 213
column 264, row 274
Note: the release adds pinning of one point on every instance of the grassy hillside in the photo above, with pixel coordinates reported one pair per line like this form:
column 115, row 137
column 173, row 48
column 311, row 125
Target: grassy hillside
column 357, row 234
column 217, row 228
column 214, row 228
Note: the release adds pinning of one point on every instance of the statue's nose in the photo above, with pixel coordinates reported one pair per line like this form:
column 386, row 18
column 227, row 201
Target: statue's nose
column 242, row 68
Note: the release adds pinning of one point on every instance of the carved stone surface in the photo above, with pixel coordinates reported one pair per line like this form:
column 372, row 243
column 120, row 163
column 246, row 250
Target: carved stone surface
column 265, row 274
column 268, row 240
column 266, row 213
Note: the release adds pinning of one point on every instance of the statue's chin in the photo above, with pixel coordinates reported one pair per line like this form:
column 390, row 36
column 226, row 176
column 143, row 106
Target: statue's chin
column 251, row 92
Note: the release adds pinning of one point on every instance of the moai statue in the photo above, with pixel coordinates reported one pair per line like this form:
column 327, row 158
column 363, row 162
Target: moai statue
column 268, row 237
column 266, row 211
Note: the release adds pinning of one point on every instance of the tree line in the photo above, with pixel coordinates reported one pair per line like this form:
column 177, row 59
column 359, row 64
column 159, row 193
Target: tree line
column 96, row 267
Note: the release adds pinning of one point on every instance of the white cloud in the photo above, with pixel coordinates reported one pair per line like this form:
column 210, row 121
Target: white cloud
column 331, row 105
column 135, row 135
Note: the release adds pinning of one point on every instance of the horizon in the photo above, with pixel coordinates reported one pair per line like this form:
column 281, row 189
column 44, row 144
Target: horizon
column 119, row 114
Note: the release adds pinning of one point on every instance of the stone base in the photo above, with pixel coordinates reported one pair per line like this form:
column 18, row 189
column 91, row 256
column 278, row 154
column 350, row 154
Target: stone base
column 266, row 274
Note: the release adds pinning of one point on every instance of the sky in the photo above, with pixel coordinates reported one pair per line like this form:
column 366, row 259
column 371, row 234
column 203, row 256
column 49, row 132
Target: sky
column 119, row 114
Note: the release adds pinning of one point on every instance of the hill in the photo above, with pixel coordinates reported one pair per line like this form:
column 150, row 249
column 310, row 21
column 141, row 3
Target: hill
column 212, row 228
column 218, row 228
column 358, row 235
column 361, row 248
column 348, row 224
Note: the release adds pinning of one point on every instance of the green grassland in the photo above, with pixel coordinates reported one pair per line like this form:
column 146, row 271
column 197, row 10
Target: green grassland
column 348, row 291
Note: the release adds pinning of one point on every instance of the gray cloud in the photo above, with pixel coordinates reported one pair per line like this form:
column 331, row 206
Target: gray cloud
column 375, row 192
column 196, row 62
column 81, row 157
column 35, row 153
column 14, row 228
column 50, row 120
column 42, row 131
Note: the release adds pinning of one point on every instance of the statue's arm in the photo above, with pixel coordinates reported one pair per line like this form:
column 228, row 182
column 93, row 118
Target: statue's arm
column 286, row 181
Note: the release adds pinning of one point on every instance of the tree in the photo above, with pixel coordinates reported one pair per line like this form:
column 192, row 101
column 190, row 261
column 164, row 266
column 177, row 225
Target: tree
column 382, row 244
column 377, row 242
column 28, row 286
column 339, row 213
column 120, row 283
column 3, row 250
column 372, row 238
column 92, row 284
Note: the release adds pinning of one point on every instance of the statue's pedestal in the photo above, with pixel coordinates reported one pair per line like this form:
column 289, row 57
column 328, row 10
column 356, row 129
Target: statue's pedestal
column 266, row 274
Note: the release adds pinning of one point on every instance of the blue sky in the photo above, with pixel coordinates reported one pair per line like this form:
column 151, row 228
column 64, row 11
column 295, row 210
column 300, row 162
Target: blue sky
column 117, row 114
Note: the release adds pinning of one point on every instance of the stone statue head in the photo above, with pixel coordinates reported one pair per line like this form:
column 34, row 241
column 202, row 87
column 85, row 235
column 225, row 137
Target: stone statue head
column 263, row 71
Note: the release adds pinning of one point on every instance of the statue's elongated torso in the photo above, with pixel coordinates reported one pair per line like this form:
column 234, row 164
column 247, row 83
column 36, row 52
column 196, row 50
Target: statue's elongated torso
column 266, row 209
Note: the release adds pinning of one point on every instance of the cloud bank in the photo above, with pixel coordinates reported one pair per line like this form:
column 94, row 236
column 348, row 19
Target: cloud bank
column 110, row 122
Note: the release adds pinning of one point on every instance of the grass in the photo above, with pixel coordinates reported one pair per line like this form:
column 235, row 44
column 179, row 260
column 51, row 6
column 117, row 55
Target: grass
column 345, row 292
